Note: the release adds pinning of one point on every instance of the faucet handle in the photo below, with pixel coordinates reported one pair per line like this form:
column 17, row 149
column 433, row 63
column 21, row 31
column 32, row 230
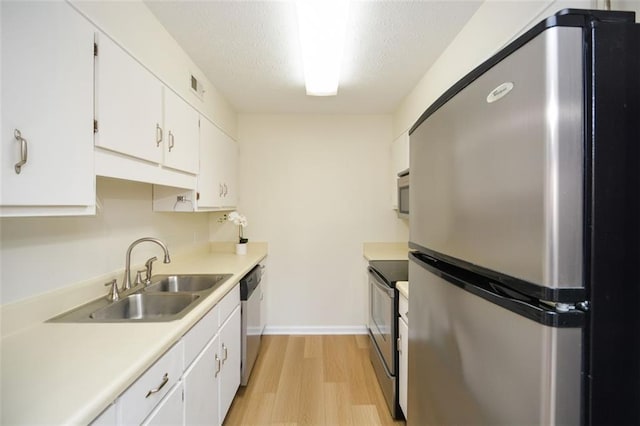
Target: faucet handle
column 138, row 280
column 113, row 295
column 149, row 265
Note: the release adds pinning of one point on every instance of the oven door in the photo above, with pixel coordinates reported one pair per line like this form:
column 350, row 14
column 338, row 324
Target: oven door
column 382, row 319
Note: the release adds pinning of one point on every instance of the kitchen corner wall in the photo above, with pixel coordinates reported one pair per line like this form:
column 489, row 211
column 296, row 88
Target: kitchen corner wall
column 315, row 187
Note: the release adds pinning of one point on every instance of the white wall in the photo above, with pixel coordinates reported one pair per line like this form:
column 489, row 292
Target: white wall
column 495, row 24
column 44, row 254
column 134, row 27
column 632, row 5
column 315, row 188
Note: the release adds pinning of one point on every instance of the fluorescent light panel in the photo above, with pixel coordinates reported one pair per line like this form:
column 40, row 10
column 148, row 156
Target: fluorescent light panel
column 322, row 28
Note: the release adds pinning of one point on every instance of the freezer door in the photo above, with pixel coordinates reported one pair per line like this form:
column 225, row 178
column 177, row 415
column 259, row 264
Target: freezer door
column 474, row 362
column 497, row 171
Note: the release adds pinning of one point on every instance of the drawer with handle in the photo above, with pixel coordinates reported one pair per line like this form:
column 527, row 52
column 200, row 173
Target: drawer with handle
column 146, row 392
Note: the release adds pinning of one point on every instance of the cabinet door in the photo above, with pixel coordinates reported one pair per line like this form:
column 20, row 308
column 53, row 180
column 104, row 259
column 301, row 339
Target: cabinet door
column 128, row 104
column 201, row 383
column 47, row 95
column 229, row 173
column 170, row 411
column 182, row 133
column 403, row 374
column 217, row 179
column 107, row 418
column 209, row 177
column 230, row 352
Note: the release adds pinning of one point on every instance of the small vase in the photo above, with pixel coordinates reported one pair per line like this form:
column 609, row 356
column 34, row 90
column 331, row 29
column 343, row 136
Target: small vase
column 241, row 248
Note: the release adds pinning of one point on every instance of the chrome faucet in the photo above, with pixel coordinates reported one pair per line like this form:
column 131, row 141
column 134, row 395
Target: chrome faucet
column 126, row 281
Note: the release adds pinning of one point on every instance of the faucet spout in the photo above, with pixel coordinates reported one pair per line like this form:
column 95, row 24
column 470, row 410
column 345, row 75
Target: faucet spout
column 126, row 281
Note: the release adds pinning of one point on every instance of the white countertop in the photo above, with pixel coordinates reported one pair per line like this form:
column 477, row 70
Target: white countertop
column 385, row 251
column 403, row 288
column 61, row 373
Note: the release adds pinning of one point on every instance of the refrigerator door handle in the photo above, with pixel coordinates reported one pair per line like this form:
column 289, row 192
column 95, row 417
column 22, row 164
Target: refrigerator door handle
column 507, row 298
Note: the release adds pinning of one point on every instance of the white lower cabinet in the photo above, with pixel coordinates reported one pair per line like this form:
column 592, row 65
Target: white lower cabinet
column 230, row 353
column 201, row 382
column 170, row 410
column 135, row 404
column 107, row 418
column 194, row 382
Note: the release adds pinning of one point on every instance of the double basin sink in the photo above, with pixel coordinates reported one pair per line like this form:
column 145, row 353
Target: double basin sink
column 166, row 298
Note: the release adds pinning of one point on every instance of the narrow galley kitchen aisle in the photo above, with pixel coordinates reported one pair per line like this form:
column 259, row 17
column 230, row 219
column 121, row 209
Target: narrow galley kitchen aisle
column 320, row 380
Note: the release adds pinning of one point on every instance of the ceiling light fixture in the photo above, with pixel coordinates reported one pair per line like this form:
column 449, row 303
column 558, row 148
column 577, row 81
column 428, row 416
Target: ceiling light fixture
column 322, row 26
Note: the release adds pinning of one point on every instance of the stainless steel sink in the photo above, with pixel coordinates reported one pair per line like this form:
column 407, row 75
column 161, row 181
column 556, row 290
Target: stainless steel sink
column 186, row 283
column 167, row 298
column 143, row 306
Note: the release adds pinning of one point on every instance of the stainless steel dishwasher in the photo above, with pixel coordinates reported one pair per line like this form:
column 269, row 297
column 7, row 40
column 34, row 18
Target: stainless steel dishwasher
column 250, row 300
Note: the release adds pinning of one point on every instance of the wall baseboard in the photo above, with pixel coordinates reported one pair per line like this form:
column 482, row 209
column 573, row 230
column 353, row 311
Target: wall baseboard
column 300, row 330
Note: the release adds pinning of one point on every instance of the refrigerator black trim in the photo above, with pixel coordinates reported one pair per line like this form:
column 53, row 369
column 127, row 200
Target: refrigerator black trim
column 564, row 18
column 561, row 295
column 483, row 287
column 613, row 279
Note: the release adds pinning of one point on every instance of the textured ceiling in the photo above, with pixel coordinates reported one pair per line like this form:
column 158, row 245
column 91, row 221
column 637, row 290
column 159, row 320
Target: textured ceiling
column 249, row 50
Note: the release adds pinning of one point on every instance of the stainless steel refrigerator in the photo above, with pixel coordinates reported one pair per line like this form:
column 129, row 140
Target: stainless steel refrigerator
column 524, row 231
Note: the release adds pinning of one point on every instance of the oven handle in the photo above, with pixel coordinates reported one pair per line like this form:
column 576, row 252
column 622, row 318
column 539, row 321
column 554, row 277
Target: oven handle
column 381, row 285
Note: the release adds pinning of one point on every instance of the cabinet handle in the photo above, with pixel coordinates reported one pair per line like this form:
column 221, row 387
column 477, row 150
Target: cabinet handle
column 165, row 380
column 23, row 150
column 158, row 134
column 221, row 192
column 217, row 366
column 171, row 141
column 225, row 189
column 224, row 348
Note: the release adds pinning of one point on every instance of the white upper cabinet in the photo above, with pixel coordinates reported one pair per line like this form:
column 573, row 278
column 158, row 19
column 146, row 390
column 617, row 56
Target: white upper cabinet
column 216, row 181
column 218, row 164
column 229, row 167
column 47, row 110
column 137, row 115
column 182, row 135
column 209, row 188
column 128, row 104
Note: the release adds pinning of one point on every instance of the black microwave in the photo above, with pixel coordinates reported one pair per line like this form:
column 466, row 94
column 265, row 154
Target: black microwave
column 403, row 194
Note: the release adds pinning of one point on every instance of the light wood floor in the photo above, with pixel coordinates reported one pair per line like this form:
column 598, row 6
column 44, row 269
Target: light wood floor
column 304, row 380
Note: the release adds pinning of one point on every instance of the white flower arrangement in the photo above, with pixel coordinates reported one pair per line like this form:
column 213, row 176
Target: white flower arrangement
column 241, row 221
